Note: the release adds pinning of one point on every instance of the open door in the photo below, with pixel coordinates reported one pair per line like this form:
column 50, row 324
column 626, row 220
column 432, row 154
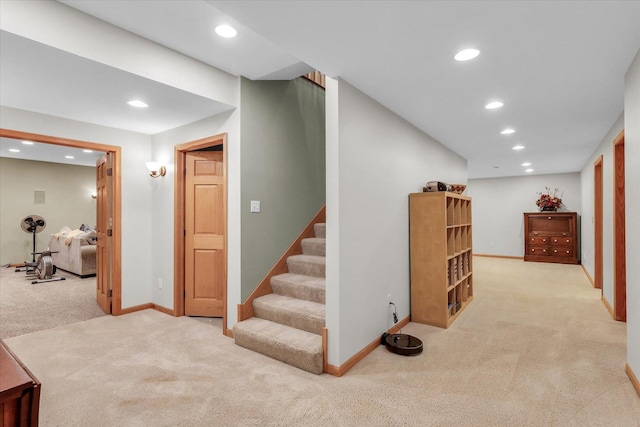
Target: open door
column 205, row 223
column 104, row 172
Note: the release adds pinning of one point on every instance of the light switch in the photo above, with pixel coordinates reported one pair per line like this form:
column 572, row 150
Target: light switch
column 255, row 206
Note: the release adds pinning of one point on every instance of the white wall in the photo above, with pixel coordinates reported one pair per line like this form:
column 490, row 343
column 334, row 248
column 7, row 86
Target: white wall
column 136, row 194
column 67, row 202
column 605, row 149
column 499, row 204
column 374, row 160
column 163, row 206
column 68, row 29
column 632, row 199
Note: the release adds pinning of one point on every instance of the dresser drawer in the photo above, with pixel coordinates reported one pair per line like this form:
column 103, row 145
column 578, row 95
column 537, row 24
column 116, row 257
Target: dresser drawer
column 561, row 251
column 540, row 240
column 538, row 250
column 564, row 241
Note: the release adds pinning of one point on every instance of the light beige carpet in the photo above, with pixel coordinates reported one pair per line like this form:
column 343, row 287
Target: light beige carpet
column 26, row 308
column 535, row 348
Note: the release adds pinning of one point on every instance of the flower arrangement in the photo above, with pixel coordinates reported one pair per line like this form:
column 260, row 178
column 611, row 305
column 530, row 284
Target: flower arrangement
column 548, row 201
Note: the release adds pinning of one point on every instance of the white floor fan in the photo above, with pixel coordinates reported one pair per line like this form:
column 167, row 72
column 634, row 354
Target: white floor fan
column 42, row 269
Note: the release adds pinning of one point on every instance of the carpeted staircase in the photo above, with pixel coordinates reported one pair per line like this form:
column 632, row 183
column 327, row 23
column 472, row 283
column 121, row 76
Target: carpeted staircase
column 288, row 323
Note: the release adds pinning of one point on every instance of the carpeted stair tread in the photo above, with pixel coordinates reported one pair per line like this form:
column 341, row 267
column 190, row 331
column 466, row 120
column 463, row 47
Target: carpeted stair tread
column 314, row 246
column 293, row 346
column 299, row 286
column 296, row 313
column 320, row 229
column 309, row 265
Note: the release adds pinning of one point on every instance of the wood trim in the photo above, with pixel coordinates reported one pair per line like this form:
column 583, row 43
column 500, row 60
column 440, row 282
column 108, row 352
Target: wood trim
column 135, row 308
column 339, row 371
column 280, row 267
column 325, row 355
column 498, row 256
column 619, row 232
column 598, row 221
column 608, row 306
column 587, row 274
column 179, row 219
column 633, row 378
column 116, row 272
column 163, row 309
column 228, row 332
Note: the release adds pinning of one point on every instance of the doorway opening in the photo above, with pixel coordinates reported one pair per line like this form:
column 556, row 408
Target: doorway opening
column 619, row 232
column 200, row 229
column 597, row 222
column 112, row 272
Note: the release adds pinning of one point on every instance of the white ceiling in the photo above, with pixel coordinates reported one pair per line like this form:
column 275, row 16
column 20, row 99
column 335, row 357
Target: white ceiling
column 557, row 66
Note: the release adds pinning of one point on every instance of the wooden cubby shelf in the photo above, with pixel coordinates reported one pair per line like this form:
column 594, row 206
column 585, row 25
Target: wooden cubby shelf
column 441, row 257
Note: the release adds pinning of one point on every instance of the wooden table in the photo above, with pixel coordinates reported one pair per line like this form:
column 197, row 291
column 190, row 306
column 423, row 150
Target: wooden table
column 19, row 391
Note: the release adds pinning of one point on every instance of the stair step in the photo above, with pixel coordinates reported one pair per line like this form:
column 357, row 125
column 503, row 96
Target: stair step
column 308, row 265
column 314, row 246
column 289, row 345
column 297, row 313
column 298, row 286
column 320, row 229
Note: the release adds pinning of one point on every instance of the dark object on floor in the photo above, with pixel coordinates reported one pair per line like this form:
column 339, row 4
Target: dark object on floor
column 403, row 344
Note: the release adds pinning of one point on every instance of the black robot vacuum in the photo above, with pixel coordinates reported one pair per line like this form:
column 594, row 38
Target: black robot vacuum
column 403, row 344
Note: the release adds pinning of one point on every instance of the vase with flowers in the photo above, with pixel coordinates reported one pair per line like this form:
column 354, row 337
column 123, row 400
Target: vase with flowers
column 549, row 201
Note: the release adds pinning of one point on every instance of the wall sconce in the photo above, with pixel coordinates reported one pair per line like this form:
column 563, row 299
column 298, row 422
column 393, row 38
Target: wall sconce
column 156, row 170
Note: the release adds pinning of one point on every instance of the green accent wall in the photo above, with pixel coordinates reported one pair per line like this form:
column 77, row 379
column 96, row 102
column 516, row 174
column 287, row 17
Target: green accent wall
column 283, row 166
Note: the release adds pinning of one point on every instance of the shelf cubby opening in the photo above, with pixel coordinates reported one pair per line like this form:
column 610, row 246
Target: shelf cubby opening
column 449, row 211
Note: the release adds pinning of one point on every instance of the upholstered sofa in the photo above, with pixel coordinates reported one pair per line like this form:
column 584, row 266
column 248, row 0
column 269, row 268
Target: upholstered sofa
column 74, row 251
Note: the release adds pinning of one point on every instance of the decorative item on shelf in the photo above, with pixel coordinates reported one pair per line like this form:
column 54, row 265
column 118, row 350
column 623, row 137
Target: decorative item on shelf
column 548, row 202
column 457, row 188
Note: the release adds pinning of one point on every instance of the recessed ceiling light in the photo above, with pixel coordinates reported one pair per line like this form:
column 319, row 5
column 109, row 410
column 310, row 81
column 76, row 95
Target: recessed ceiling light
column 14, row 150
column 508, row 131
column 466, row 54
column 518, row 147
column 526, row 164
column 137, row 103
column 69, row 157
column 27, row 142
column 529, row 170
column 225, row 30
column 87, row 151
column 493, row 105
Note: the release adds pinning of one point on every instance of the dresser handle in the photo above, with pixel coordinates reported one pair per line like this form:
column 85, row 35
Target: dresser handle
column 555, row 251
column 544, row 250
column 549, row 217
column 564, row 234
column 567, row 240
column 567, row 251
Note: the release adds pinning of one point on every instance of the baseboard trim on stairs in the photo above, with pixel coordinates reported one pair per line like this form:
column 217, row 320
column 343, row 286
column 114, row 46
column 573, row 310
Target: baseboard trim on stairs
column 633, row 378
column 339, row 371
column 245, row 310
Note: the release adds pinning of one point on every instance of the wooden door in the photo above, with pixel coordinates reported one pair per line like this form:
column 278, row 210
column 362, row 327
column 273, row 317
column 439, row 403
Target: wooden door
column 103, row 230
column 205, row 252
column 619, row 233
column 597, row 222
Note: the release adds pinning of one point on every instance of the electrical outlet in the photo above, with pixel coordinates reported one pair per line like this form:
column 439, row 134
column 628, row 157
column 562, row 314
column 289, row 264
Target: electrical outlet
column 255, row 206
column 159, row 283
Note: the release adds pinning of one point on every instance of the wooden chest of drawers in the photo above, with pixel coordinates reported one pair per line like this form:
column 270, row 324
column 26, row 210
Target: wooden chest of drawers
column 551, row 237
